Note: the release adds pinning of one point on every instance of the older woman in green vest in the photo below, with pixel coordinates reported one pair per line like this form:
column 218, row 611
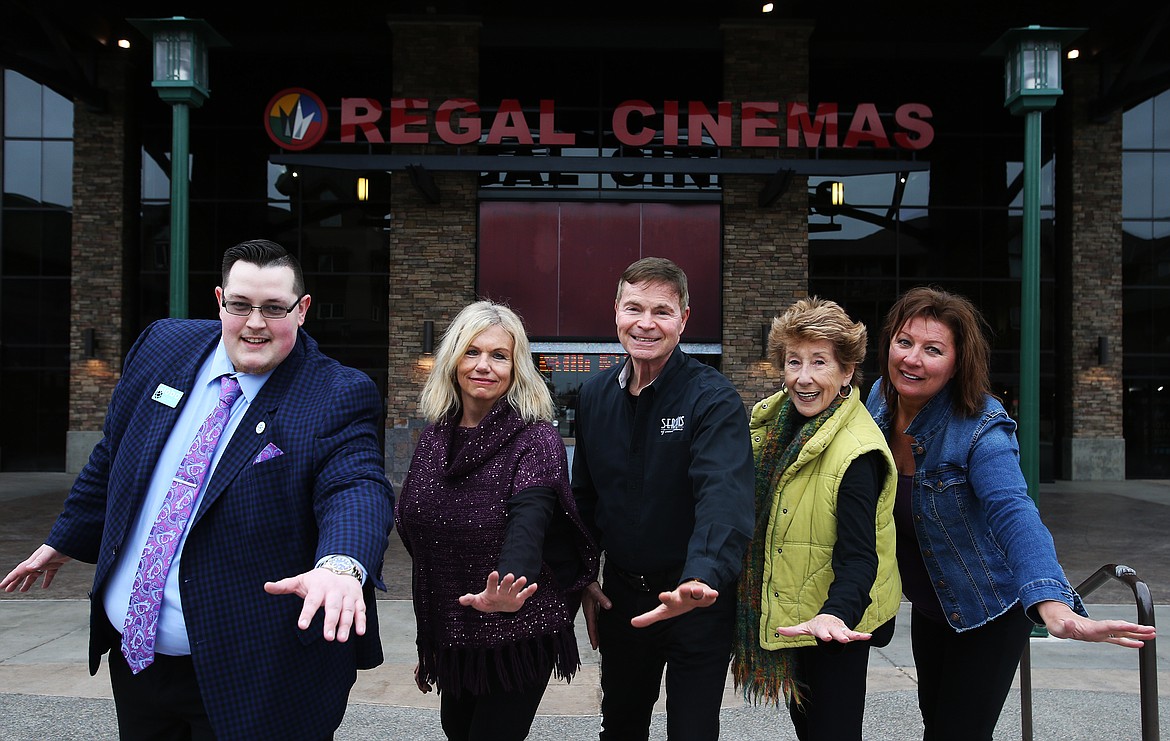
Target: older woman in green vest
column 820, row 582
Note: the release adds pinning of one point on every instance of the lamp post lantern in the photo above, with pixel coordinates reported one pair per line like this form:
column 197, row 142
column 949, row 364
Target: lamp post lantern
column 180, row 75
column 1032, row 59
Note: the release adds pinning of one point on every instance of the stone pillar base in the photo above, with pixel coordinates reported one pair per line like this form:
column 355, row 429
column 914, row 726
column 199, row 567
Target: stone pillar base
column 78, row 445
column 1093, row 459
column 400, row 444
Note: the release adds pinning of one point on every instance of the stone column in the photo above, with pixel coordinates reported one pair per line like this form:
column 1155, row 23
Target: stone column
column 765, row 248
column 105, row 197
column 432, row 245
column 1088, row 205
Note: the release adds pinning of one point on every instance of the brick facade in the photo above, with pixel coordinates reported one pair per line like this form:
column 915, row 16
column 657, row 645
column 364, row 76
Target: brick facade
column 432, row 246
column 105, row 192
column 1090, row 284
column 765, row 248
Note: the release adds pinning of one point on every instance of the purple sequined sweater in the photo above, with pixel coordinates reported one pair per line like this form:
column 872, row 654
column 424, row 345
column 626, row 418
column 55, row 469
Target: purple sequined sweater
column 452, row 518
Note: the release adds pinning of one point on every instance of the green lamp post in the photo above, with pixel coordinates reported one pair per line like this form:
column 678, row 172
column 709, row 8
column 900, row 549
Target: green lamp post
column 1032, row 58
column 180, row 76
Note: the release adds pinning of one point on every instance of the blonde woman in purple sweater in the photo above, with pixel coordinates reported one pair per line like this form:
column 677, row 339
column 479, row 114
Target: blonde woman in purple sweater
column 499, row 553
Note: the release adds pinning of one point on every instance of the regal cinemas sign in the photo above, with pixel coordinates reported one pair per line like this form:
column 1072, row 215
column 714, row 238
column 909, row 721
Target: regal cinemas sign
column 297, row 120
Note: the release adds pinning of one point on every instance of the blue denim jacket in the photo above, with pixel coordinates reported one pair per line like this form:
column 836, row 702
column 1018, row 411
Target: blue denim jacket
column 980, row 534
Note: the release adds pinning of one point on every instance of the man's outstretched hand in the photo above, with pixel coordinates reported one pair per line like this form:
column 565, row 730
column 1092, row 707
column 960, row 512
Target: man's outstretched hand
column 684, row 598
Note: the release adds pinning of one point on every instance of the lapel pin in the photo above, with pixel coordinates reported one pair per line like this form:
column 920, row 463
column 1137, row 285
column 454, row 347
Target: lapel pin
column 259, row 428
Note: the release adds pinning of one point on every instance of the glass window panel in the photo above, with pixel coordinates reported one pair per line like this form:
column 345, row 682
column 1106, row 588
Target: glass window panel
column 58, row 116
column 57, row 187
column 20, row 254
column 1137, row 124
column 1137, row 181
column 1161, row 177
column 851, row 224
column 917, row 190
column 1047, row 182
column 1139, row 229
column 278, row 175
column 1136, row 252
column 156, row 184
column 1162, row 120
column 22, row 105
column 56, row 247
column 22, row 169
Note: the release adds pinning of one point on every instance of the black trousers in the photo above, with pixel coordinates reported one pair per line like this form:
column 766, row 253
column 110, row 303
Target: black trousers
column 694, row 649
column 964, row 678
column 160, row 703
column 833, row 692
column 494, row 716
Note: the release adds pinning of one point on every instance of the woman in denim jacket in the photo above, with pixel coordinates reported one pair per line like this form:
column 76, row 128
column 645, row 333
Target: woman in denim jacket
column 977, row 564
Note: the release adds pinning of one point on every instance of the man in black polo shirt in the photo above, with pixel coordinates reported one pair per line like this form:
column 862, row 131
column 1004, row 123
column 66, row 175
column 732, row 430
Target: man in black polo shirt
column 663, row 476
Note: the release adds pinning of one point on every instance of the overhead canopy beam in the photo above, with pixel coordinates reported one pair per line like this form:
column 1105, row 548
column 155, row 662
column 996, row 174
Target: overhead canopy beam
column 1126, row 88
column 609, row 165
column 778, row 171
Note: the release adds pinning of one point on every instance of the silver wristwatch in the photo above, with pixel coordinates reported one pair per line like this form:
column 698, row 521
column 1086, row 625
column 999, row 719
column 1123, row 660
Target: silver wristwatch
column 343, row 565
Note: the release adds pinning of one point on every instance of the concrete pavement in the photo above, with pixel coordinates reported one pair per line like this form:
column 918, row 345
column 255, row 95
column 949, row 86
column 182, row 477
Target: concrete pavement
column 1080, row 691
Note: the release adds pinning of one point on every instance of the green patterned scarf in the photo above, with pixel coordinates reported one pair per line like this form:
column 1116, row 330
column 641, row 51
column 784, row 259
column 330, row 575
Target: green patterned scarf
column 769, row 676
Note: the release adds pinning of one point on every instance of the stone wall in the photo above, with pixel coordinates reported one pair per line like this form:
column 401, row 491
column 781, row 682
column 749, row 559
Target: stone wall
column 432, row 245
column 765, row 248
column 105, row 183
column 1089, row 263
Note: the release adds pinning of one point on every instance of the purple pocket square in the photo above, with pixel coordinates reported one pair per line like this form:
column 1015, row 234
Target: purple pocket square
column 270, row 451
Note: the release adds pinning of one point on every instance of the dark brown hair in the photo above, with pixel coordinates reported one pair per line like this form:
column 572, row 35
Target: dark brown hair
column 265, row 254
column 972, row 380
column 657, row 270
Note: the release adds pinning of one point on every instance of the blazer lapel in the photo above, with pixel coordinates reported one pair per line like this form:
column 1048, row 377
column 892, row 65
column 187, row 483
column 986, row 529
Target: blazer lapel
column 158, row 419
column 249, row 437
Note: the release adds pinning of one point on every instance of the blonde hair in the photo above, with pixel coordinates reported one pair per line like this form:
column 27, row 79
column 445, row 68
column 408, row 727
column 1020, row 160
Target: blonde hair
column 528, row 393
column 816, row 319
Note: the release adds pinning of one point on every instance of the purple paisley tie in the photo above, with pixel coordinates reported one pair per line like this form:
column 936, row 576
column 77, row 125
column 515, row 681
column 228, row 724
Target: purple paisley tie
column 141, row 628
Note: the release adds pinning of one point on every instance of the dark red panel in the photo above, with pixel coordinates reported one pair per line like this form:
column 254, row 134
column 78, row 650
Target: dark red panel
column 598, row 242
column 558, row 264
column 518, row 261
column 689, row 235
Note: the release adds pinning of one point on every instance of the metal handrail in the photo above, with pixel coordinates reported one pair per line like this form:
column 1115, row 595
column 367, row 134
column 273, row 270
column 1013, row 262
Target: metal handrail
column 1147, row 654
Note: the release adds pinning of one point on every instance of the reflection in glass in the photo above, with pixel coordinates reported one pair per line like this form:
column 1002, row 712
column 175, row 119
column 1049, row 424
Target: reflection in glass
column 22, row 106
column 22, row 169
column 1137, row 173
column 57, row 188
column 1138, row 126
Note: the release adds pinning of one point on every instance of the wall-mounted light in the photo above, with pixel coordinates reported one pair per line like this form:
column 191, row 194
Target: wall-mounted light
column 428, row 340
column 765, row 330
column 767, row 8
column 1104, row 353
column 89, row 343
column 830, row 194
column 837, row 193
column 363, row 188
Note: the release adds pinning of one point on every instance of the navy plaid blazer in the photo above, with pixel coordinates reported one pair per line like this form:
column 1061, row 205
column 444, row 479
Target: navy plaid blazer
column 259, row 675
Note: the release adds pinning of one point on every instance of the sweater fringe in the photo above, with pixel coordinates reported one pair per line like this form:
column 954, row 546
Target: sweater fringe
column 508, row 667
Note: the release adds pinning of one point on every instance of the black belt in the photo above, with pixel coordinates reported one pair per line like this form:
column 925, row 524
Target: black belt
column 655, row 581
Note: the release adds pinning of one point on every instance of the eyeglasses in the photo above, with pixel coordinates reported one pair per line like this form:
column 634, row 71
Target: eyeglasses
column 268, row 311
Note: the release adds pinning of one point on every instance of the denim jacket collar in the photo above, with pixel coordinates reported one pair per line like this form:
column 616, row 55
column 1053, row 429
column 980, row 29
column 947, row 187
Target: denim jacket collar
column 933, row 417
